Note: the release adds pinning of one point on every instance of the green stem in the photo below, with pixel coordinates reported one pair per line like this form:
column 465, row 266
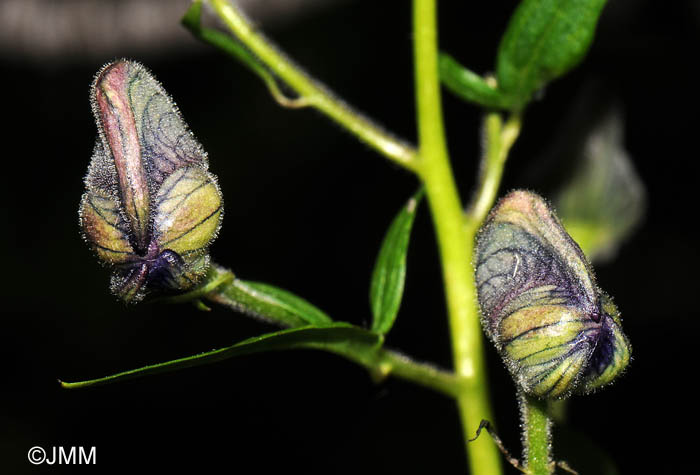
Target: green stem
column 537, row 437
column 499, row 138
column 313, row 92
column 385, row 363
column 454, row 240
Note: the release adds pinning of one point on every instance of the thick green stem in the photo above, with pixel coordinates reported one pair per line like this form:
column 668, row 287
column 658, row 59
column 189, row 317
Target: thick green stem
column 454, row 241
column 313, row 92
column 455, row 230
column 537, row 437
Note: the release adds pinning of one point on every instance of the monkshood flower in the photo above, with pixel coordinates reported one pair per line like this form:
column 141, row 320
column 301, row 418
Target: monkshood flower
column 557, row 332
column 151, row 209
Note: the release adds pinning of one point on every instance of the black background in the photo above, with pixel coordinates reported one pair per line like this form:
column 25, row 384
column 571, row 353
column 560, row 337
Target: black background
column 306, row 209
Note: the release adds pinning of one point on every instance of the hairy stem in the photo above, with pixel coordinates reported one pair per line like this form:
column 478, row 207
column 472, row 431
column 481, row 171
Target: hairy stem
column 537, row 437
column 311, row 91
column 454, row 241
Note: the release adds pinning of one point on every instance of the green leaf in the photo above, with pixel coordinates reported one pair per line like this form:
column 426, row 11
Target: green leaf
column 273, row 303
column 470, row 86
column 544, row 40
column 341, row 338
column 386, row 288
column 263, row 301
column 604, row 201
column 192, row 21
column 193, row 16
column 267, row 302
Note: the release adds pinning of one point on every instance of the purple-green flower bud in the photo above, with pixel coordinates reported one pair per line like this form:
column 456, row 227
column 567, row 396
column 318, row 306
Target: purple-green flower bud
column 556, row 330
column 151, row 209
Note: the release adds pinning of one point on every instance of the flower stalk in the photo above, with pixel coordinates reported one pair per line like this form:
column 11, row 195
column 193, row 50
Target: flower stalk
column 312, row 92
column 537, row 435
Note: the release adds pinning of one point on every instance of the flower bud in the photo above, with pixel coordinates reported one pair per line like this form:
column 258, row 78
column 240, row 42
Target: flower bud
column 557, row 332
column 151, row 209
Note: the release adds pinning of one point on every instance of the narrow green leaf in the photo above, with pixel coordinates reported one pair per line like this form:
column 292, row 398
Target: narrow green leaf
column 389, row 275
column 544, row 40
column 470, row 86
column 340, row 338
column 263, row 301
column 192, row 21
column 193, row 16
column 271, row 303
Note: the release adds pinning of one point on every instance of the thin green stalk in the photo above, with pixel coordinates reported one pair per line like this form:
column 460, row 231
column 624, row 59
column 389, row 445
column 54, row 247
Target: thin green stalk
column 537, row 436
column 387, row 363
column 499, row 138
column 454, row 241
column 314, row 93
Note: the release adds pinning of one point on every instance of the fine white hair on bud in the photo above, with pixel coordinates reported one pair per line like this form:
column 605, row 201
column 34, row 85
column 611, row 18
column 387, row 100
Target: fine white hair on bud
column 151, row 207
column 556, row 330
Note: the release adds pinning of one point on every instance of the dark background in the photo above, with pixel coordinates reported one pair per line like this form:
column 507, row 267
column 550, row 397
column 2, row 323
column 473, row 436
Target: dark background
column 306, row 209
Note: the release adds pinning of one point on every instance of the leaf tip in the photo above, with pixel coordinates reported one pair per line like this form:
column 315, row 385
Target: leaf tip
column 201, row 306
column 192, row 17
column 65, row 384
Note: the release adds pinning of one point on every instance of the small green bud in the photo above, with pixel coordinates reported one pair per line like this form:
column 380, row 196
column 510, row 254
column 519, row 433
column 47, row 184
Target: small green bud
column 151, row 209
